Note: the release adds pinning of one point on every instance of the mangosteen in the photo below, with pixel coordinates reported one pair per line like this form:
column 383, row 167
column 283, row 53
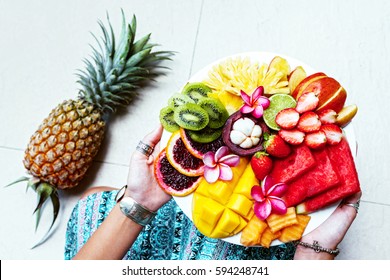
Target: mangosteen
column 243, row 134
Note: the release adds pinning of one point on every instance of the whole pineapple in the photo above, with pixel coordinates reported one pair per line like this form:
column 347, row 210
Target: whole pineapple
column 62, row 149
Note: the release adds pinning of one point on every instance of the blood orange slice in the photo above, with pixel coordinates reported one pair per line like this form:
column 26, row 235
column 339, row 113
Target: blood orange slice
column 171, row 180
column 181, row 159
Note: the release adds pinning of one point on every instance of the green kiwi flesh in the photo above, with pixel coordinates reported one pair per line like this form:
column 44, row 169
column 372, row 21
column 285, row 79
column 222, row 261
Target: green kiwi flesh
column 196, row 91
column 179, row 99
column 167, row 119
column 206, row 135
column 191, row 116
column 216, row 111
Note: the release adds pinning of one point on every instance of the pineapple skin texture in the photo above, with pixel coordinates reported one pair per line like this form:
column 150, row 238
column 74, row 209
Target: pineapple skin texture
column 62, row 149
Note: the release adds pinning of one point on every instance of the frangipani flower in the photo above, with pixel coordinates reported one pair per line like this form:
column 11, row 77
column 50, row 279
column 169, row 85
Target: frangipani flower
column 267, row 198
column 255, row 104
column 218, row 165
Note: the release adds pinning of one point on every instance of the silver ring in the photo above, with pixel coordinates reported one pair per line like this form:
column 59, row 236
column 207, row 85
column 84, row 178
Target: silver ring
column 354, row 205
column 144, row 148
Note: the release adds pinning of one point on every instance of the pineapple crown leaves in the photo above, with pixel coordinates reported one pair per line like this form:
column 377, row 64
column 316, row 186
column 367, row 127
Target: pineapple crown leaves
column 117, row 69
column 44, row 192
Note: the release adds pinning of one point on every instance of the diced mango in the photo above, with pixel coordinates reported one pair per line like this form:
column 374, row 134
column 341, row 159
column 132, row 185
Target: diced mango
column 239, row 170
column 241, row 226
column 250, row 215
column 212, row 211
column 197, row 199
column 246, row 182
column 228, row 222
column 204, row 228
column 240, row 204
column 220, row 191
column 220, row 211
column 203, row 188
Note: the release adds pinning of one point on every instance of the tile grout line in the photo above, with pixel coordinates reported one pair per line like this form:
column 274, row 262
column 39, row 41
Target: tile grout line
column 196, row 39
column 97, row 161
column 376, row 203
column 11, row 148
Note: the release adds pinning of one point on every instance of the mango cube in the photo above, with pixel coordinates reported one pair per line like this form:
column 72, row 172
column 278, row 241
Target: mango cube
column 240, row 204
column 212, row 211
column 246, row 182
column 228, row 222
column 220, row 191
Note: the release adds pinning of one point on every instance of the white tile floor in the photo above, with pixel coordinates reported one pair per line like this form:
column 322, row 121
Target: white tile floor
column 42, row 44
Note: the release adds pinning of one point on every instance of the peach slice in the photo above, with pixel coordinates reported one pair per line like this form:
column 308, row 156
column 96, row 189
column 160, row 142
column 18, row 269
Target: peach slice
column 268, row 236
column 295, row 77
column 295, row 232
column 251, row 234
column 346, row 115
column 300, row 88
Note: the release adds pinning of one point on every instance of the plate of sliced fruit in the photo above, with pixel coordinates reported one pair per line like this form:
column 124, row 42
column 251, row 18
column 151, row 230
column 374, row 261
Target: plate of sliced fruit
column 258, row 149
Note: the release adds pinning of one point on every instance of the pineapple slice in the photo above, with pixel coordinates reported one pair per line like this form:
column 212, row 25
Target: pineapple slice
column 231, row 102
column 240, row 73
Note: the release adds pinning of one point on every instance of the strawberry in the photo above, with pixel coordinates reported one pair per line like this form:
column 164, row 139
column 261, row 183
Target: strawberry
column 309, row 122
column 292, row 136
column 307, row 102
column 261, row 165
column 315, row 140
column 333, row 133
column 287, row 118
column 276, row 146
column 327, row 116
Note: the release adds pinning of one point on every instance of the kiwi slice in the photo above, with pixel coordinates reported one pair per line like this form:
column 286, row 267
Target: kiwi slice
column 167, row 120
column 206, row 135
column 179, row 99
column 217, row 112
column 196, row 91
column 191, row 116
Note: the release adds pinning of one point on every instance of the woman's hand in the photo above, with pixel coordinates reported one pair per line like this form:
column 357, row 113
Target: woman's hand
column 330, row 233
column 141, row 183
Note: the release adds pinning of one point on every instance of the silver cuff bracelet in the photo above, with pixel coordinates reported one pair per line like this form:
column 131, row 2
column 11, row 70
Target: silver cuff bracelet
column 133, row 210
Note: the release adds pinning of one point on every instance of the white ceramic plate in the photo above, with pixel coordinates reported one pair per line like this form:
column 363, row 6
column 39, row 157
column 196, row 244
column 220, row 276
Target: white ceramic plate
column 318, row 217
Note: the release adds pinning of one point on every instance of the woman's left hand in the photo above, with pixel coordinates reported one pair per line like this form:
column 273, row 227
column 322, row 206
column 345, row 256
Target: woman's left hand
column 141, row 183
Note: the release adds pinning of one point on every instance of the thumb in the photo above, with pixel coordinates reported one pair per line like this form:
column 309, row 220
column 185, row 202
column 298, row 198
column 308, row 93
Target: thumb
column 153, row 137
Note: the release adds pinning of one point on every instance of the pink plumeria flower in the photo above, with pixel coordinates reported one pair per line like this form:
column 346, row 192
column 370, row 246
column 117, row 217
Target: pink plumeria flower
column 268, row 198
column 255, row 104
column 218, row 165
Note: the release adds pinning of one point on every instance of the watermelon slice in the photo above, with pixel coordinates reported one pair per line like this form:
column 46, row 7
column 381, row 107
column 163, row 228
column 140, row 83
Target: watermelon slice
column 341, row 157
column 297, row 163
column 320, row 178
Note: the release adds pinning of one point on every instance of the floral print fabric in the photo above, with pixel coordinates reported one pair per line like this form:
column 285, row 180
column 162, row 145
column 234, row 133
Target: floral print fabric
column 170, row 236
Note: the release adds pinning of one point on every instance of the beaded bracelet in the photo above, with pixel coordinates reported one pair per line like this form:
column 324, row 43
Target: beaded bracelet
column 318, row 248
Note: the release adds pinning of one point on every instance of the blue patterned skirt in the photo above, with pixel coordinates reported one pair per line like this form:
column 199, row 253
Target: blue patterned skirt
column 171, row 235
